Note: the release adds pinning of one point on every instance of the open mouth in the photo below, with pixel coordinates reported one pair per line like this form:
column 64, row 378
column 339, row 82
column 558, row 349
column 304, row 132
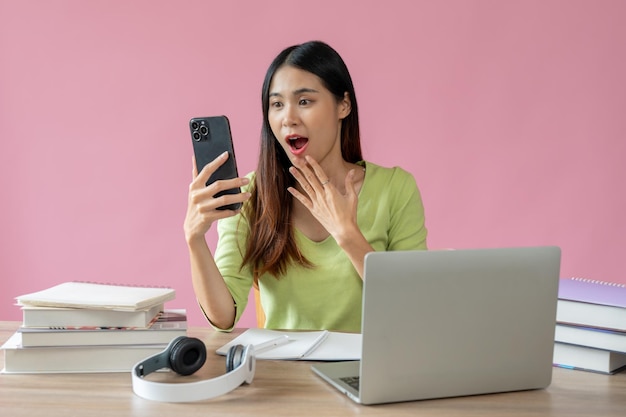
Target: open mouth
column 297, row 143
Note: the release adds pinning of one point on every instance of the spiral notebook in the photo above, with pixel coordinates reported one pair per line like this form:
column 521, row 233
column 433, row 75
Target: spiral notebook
column 91, row 295
column 592, row 303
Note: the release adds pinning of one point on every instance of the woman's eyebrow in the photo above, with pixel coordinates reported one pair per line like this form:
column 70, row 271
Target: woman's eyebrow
column 296, row 92
column 304, row 90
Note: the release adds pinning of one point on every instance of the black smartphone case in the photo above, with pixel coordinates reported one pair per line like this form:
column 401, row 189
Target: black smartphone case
column 211, row 137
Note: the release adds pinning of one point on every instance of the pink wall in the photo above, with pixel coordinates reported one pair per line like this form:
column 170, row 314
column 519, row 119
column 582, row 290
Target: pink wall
column 510, row 114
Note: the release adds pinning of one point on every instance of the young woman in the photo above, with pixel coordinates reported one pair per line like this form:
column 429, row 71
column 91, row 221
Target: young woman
column 312, row 210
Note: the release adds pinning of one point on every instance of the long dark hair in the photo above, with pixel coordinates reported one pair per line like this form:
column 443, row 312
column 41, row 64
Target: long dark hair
column 271, row 246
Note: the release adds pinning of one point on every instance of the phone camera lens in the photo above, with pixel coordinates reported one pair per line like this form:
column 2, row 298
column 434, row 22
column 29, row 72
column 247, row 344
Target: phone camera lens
column 196, row 136
column 194, row 125
column 204, row 130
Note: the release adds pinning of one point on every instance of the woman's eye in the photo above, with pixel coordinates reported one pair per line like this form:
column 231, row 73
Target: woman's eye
column 304, row 102
column 276, row 104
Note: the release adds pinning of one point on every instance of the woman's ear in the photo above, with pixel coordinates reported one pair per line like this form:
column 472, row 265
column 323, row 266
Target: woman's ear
column 345, row 106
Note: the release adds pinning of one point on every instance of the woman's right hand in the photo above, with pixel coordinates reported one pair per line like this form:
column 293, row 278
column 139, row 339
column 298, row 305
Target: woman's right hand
column 202, row 206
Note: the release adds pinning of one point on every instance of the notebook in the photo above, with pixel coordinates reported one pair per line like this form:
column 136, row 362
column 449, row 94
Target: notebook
column 93, row 295
column 453, row 323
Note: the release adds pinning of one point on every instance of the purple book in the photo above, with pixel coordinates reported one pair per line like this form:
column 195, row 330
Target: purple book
column 593, row 291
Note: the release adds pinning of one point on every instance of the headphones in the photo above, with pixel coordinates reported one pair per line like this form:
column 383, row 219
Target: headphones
column 185, row 355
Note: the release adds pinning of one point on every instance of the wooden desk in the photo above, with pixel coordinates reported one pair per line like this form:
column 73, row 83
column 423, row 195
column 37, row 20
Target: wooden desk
column 285, row 388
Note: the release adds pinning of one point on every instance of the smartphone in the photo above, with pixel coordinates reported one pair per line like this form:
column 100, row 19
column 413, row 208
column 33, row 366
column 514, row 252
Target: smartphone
column 211, row 137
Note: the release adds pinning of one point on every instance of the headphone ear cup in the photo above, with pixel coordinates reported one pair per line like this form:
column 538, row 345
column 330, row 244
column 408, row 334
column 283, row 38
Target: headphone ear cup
column 187, row 355
column 233, row 357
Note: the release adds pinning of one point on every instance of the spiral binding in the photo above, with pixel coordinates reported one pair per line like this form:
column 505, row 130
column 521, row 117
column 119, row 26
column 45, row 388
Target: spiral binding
column 595, row 281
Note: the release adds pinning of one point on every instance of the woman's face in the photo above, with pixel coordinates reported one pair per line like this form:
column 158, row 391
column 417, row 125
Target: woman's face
column 304, row 116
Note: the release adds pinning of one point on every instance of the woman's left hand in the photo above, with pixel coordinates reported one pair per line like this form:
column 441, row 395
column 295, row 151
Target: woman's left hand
column 334, row 210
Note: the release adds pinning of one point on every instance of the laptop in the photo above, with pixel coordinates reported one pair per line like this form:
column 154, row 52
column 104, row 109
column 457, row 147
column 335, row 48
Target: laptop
column 452, row 323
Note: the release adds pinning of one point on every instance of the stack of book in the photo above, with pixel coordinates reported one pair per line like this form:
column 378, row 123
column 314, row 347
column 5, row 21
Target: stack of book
column 590, row 332
column 88, row 327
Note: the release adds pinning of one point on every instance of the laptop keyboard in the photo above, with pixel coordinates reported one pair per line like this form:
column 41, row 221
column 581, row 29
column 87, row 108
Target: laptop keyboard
column 353, row 381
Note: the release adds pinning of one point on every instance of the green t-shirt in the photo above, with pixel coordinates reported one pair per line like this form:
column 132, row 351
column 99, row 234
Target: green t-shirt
column 328, row 296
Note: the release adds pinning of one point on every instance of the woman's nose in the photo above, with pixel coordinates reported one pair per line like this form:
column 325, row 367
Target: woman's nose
column 290, row 116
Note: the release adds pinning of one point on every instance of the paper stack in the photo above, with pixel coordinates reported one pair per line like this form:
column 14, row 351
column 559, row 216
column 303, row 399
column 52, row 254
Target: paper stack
column 89, row 327
column 590, row 332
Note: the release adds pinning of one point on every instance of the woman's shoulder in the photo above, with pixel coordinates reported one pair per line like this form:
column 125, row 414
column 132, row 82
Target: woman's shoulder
column 387, row 175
